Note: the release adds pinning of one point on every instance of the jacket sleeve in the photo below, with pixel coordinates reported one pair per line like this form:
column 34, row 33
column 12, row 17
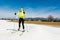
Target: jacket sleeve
column 17, row 14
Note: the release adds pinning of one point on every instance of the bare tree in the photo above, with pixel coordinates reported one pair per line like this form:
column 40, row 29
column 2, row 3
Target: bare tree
column 50, row 18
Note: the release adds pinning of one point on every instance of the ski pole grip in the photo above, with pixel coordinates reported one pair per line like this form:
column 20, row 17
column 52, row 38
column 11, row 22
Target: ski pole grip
column 15, row 13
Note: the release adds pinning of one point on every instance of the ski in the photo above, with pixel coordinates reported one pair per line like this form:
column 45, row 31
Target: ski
column 21, row 33
column 14, row 30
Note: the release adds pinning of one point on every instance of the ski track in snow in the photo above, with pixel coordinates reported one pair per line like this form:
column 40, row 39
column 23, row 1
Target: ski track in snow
column 35, row 32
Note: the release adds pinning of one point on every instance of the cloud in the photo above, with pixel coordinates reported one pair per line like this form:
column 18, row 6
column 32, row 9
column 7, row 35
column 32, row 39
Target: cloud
column 43, row 12
column 8, row 12
column 5, row 12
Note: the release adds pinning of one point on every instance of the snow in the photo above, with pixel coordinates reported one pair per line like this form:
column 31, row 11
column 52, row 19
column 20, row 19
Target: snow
column 35, row 32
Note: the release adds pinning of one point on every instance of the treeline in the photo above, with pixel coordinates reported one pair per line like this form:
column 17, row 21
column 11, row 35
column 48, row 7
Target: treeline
column 50, row 18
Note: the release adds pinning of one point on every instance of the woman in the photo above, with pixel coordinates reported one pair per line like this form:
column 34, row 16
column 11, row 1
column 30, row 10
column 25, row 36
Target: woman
column 21, row 15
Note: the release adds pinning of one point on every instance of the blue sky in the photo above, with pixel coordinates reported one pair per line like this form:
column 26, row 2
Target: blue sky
column 33, row 8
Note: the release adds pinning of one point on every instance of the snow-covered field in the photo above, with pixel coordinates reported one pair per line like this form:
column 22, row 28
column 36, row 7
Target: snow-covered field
column 35, row 32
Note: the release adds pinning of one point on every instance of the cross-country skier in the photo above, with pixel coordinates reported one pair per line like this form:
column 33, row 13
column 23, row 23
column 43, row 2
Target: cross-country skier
column 21, row 15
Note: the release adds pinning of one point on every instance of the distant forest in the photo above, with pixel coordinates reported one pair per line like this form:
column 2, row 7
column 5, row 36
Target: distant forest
column 50, row 18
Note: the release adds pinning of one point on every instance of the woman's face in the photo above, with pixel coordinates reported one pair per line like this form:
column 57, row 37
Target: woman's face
column 21, row 9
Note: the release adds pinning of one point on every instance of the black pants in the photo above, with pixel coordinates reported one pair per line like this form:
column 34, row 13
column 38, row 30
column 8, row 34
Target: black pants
column 21, row 20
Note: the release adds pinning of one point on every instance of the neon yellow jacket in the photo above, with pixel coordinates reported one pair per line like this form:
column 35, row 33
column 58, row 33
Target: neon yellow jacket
column 20, row 15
